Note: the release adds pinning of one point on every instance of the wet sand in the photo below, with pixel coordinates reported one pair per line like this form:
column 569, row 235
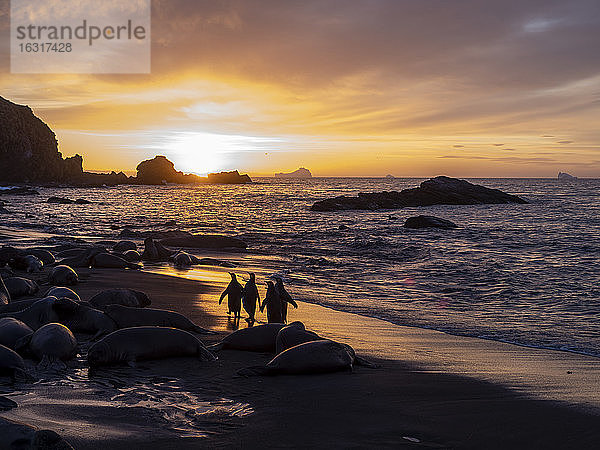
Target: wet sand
column 440, row 390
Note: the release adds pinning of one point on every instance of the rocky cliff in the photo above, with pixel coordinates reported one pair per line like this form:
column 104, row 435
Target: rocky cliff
column 29, row 150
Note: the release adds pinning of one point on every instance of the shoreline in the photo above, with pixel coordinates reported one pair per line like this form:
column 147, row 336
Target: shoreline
column 382, row 407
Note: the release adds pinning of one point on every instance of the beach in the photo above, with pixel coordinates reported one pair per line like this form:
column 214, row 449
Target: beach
column 432, row 389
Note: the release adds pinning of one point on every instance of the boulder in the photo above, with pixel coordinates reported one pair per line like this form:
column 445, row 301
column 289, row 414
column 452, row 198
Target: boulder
column 232, row 177
column 428, row 222
column 59, row 200
column 204, row 241
column 436, row 191
column 19, row 190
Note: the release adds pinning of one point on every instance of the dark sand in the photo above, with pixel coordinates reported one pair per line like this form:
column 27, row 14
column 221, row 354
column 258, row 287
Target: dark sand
column 415, row 397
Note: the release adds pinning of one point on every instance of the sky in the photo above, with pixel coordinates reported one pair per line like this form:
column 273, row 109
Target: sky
column 468, row 88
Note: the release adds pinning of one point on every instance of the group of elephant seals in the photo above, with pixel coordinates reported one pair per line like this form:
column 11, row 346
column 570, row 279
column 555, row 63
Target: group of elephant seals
column 20, row 287
column 322, row 356
column 130, row 345
column 253, row 339
column 63, row 276
column 125, row 297
column 126, row 317
column 155, row 251
column 17, row 435
column 53, row 341
column 12, row 330
column 234, row 296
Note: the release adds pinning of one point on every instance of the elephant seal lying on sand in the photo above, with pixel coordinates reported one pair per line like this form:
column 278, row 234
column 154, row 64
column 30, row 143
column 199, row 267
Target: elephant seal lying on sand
column 130, row 345
column 17, row 435
column 44, row 311
column 63, row 276
column 109, row 261
column 294, row 334
column 63, row 292
column 20, row 287
column 183, row 259
column 322, row 356
column 126, row 317
column 53, row 341
column 125, row 297
column 11, row 330
column 82, row 318
column 255, row 339
column 43, row 255
column 11, row 363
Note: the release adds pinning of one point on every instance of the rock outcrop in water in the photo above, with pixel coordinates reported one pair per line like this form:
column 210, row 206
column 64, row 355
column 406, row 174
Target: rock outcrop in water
column 301, row 173
column 562, row 176
column 436, row 191
column 419, row 222
column 160, row 170
column 29, row 150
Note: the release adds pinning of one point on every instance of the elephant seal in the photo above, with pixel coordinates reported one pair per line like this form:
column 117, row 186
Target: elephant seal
column 53, row 341
column 254, row 339
column 63, row 276
column 130, row 345
column 108, row 261
column 20, row 287
column 28, row 263
column 250, row 297
column 234, row 296
column 132, row 256
column 63, row 292
column 17, row 435
column 294, row 334
column 126, row 317
column 43, row 255
column 155, row 251
column 82, row 318
column 18, row 305
column 182, row 259
column 123, row 246
column 11, row 363
column 273, row 303
column 313, row 357
column 125, row 297
column 83, row 258
column 285, row 299
column 11, row 330
column 44, row 311
column 4, row 294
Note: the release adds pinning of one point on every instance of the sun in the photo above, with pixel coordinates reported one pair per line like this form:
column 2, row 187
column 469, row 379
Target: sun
column 203, row 153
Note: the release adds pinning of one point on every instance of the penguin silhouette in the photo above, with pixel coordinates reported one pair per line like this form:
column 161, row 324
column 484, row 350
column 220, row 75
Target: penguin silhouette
column 234, row 296
column 250, row 297
column 273, row 303
column 285, row 299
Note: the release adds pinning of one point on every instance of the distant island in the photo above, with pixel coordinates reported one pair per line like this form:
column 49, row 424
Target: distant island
column 29, row 154
column 300, row 173
column 566, row 177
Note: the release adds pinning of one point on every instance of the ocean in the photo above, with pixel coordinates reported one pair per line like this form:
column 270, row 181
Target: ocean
column 526, row 274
